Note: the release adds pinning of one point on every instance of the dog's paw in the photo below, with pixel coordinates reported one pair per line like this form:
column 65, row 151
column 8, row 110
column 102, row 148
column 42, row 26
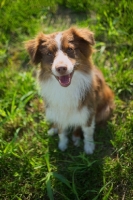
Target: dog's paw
column 89, row 147
column 76, row 141
column 63, row 144
column 52, row 131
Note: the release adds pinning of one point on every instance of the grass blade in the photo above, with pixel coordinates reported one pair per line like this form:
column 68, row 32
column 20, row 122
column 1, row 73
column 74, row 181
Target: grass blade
column 49, row 188
column 74, row 187
column 47, row 161
column 61, row 178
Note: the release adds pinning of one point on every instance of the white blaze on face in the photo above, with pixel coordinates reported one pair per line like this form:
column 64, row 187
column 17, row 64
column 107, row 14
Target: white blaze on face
column 58, row 40
column 61, row 58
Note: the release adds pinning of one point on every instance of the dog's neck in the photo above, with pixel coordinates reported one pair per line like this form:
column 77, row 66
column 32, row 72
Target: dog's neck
column 70, row 96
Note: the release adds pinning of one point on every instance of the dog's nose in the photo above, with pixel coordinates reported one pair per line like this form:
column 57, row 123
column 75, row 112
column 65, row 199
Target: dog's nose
column 61, row 69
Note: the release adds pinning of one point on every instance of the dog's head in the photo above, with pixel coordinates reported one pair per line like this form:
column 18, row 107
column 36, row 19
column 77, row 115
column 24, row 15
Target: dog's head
column 62, row 53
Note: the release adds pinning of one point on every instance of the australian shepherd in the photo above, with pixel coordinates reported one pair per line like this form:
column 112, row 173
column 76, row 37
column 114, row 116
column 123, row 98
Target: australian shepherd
column 74, row 90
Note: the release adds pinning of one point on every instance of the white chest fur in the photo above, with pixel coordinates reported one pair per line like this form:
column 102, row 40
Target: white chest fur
column 63, row 102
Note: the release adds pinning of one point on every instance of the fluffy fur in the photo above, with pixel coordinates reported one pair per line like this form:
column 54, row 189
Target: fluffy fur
column 74, row 90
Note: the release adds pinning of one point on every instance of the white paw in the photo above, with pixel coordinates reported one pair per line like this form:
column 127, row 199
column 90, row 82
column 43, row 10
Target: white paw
column 76, row 141
column 89, row 147
column 63, row 144
column 52, row 131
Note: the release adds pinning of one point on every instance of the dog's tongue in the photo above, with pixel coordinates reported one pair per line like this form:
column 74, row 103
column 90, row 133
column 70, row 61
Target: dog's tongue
column 65, row 80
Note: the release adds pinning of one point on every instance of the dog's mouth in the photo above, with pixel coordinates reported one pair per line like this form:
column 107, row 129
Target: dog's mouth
column 65, row 80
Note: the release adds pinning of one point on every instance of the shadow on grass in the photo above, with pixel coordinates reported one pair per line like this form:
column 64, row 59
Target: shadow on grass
column 84, row 172
column 64, row 18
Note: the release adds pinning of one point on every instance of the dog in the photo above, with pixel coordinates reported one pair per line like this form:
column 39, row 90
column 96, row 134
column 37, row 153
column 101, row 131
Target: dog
column 74, row 90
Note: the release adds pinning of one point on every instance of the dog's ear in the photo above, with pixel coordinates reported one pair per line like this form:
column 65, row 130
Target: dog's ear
column 84, row 40
column 33, row 48
column 84, row 35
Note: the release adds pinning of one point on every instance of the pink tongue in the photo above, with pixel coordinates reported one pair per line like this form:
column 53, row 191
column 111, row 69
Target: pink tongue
column 64, row 80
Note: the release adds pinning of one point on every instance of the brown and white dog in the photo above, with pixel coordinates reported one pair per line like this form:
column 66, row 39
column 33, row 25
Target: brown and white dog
column 74, row 90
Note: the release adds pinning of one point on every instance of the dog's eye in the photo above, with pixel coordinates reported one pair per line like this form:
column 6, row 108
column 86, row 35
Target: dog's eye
column 49, row 54
column 69, row 50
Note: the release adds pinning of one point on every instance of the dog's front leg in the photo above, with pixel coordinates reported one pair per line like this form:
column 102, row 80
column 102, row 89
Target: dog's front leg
column 63, row 140
column 88, row 132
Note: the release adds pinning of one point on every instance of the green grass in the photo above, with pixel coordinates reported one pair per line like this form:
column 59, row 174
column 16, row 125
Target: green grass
column 31, row 166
